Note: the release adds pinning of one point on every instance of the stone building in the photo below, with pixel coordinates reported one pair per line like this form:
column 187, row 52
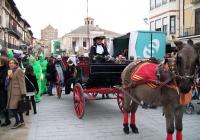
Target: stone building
column 81, row 39
column 15, row 31
column 48, row 34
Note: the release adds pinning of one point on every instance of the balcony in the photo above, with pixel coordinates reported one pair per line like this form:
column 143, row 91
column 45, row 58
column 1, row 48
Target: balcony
column 12, row 46
column 195, row 1
column 190, row 31
column 15, row 31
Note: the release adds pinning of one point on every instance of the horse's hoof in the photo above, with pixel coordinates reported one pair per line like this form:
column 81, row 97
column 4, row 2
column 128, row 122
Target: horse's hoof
column 126, row 129
column 134, row 128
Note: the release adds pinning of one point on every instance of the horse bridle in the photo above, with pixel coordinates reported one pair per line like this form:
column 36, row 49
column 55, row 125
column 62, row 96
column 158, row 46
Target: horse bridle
column 174, row 70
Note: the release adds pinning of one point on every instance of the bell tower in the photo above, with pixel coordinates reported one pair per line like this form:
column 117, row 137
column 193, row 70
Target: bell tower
column 89, row 21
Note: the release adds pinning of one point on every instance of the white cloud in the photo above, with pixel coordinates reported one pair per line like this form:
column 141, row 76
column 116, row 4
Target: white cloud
column 119, row 16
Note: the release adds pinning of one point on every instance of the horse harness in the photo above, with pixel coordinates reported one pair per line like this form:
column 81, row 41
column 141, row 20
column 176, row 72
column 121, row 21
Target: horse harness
column 168, row 66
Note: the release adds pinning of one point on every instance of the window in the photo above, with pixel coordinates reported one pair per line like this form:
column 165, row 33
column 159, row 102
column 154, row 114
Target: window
column 73, row 43
column 84, row 44
column 164, row 24
column 158, row 25
column 158, row 3
column 7, row 5
column 172, row 24
column 172, row 0
column 152, row 26
column 197, row 21
column 164, row 2
column 152, row 4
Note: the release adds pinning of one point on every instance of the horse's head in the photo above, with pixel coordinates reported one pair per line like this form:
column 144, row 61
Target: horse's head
column 187, row 62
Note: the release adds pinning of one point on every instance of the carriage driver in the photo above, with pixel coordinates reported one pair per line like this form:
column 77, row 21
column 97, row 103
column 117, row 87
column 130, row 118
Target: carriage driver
column 98, row 52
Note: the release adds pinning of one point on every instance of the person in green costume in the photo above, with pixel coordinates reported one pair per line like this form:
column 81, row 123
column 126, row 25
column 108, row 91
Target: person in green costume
column 10, row 54
column 43, row 64
column 38, row 73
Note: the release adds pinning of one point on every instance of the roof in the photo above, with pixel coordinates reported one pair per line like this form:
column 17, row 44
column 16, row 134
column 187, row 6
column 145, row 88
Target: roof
column 89, row 18
column 84, row 30
column 49, row 27
column 26, row 23
column 13, row 6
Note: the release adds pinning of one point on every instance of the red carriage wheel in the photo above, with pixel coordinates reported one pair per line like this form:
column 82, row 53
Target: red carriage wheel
column 58, row 86
column 79, row 100
column 120, row 101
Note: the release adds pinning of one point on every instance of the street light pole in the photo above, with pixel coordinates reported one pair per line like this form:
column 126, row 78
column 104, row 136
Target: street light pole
column 88, row 31
column 147, row 23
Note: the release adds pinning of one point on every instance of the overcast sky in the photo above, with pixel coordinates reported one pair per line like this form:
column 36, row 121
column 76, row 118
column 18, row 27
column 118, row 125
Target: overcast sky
column 120, row 16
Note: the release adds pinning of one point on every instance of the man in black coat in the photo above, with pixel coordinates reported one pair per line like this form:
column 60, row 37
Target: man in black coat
column 99, row 50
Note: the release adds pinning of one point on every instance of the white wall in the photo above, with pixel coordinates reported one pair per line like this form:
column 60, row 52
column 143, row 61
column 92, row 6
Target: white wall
column 166, row 10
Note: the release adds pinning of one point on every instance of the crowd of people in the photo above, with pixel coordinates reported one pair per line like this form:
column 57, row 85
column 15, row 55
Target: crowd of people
column 31, row 76
column 27, row 78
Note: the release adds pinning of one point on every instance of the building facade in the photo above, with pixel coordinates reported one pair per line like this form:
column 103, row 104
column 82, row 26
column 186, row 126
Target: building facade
column 164, row 16
column 178, row 18
column 48, row 34
column 81, row 39
column 190, row 25
column 15, row 31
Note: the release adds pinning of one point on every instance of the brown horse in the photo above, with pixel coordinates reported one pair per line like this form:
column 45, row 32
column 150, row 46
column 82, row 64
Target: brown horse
column 182, row 75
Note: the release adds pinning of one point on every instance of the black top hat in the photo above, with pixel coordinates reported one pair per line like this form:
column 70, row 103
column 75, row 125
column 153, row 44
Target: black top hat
column 99, row 38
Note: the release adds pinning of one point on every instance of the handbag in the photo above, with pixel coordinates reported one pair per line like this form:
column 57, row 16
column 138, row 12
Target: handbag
column 24, row 105
column 31, row 83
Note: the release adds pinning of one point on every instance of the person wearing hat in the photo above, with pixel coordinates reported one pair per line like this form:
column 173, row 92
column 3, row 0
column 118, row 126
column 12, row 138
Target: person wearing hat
column 70, row 75
column 99, row 50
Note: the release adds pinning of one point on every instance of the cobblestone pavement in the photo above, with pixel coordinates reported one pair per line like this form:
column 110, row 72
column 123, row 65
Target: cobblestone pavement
column 16, row 134
column 56, row 120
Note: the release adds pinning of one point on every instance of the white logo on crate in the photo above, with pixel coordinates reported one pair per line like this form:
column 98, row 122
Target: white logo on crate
column 155, row 48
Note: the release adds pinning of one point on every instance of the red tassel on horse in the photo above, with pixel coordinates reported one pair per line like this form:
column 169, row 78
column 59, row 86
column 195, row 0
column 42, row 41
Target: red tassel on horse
column 132, row 118
column 125, row 118
column 169, row 137
column 179, row 135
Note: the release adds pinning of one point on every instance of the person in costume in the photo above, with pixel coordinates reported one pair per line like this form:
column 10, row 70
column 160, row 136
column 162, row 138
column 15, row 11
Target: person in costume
column 38, row 72
column 43, row 64
column 10, row 54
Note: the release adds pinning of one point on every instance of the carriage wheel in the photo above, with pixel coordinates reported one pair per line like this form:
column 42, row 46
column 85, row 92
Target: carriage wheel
column 79, row 101
column 120, row 101
column 58, row 87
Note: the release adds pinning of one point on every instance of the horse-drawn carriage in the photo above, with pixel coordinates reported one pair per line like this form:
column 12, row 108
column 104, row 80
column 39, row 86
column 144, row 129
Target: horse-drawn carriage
column 93, row 79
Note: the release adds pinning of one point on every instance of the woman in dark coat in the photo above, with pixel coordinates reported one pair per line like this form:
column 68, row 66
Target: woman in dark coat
column 70, row 75
column 31, row 86
column 3, row 89
column 51, row 75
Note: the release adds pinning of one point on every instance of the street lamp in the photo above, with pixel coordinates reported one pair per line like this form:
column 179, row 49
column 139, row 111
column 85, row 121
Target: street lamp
column 146, row 21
